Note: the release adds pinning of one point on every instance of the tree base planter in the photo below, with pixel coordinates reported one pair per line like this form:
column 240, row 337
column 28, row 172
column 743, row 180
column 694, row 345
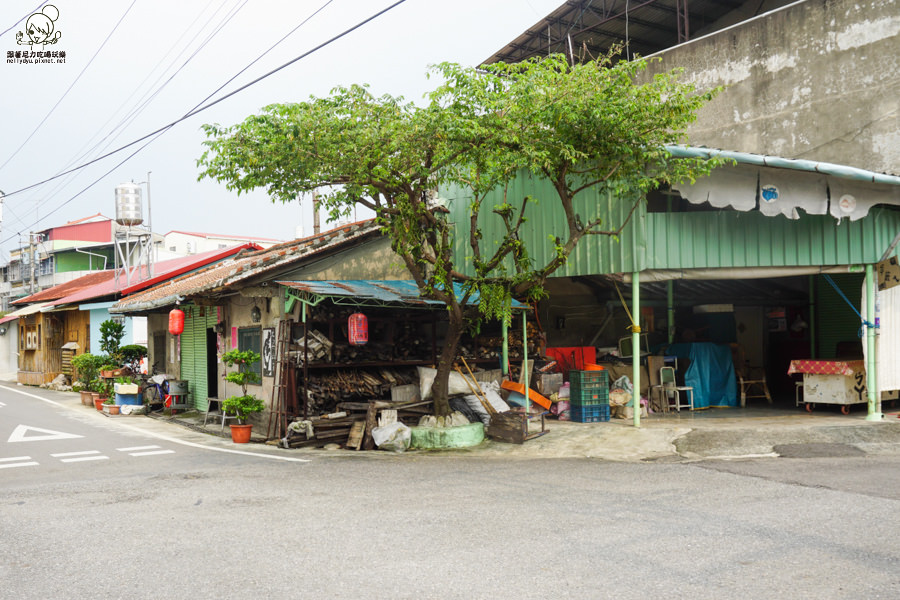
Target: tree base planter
column 240, row 434
column 436, row 438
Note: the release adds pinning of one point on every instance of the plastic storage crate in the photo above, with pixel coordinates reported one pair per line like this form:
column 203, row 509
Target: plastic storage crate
column 588, row 388
column 589, row 414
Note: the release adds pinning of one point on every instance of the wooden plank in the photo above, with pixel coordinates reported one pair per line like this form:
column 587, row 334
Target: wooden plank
column 357, row 432
column 371, row 415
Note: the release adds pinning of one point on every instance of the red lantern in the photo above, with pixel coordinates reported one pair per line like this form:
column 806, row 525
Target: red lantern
column 176, row 321
column 358, row 327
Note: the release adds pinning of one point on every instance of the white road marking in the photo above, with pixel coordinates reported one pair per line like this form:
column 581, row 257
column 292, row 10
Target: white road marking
column 165, row 437
column 135, row 448
column 2, row 404
column 82, row 453
column 20, row 434
column 80, row 456
column 152, row 453
column 12, row 458
column 17, row 461
column 68, row 457
column 22, row 464
column 83, row 458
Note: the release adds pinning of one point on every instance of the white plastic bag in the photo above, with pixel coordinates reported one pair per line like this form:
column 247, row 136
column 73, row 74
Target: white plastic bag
column 492, row 393
column 456, row 384
column 623, row 383
column 395, row 437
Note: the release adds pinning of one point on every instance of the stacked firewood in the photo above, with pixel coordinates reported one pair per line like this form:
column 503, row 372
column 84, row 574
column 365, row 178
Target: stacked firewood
column 486, row 346
column 351, row 427
column 388, row 341
column 327, row 388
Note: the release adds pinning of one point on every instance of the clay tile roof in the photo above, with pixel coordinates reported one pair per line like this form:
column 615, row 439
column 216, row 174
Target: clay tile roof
column 242, row 267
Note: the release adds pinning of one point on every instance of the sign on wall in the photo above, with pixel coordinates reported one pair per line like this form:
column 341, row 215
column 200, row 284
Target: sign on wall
column 888, row 273
column 268, row 352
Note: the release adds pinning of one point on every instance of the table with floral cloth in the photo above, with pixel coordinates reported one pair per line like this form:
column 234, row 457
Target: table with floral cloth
column 840, row 382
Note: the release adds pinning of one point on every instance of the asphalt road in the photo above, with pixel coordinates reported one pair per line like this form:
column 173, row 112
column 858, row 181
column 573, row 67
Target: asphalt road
column 197, row 522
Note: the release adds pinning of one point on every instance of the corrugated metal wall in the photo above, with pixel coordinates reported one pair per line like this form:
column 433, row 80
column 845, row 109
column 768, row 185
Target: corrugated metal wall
column 737, row 239
column 685, row 240
column 545, row 219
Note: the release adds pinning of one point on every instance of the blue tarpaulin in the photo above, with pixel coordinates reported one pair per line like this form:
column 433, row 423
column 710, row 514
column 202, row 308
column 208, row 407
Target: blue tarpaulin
column 711, row 373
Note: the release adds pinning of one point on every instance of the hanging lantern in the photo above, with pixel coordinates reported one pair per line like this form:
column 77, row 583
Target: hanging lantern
column 358, row 326
column 176, row 321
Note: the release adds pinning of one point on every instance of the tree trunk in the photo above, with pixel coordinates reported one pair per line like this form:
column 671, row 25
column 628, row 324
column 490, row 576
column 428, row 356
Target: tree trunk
column 440, row 387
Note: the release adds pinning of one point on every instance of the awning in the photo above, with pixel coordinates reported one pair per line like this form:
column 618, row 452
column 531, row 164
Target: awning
column 28, row 310
column 779, row 191
column 372, row 293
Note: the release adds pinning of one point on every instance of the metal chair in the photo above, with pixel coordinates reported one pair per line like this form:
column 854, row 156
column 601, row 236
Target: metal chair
column 672, row 391
column 218, row 413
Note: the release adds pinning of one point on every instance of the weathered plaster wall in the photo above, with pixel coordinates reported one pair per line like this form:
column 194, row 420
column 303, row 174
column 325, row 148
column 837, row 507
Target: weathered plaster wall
column 371, row 260
column 816, row 80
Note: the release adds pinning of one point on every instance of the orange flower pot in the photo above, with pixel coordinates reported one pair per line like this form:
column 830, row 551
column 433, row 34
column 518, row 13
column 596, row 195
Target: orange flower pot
column 240, row 434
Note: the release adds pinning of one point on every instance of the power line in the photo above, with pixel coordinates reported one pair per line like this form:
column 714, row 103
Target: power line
column 28, row 14
column 215, row 102
column 221, row 24
column 157, row 133
column 69, row 89
column 135, row 110
column 272, row 47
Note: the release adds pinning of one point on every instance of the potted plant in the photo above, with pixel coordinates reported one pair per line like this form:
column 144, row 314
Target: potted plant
column 109, row 369
column 104, row 393
column 110, row 407
column 127, row 392
column 87, row 367
column 245, row 404
column 132, row 355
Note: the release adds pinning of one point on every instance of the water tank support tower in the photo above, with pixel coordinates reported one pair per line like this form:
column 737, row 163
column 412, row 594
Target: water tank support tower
column 133, row 241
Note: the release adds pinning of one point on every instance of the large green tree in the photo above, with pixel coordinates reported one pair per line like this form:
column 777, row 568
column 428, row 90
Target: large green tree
column 591, row 126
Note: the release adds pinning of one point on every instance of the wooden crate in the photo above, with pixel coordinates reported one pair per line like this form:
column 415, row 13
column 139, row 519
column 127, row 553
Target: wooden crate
column 517, row 427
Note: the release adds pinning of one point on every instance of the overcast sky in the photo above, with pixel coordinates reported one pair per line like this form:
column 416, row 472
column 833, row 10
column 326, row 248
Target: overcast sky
column 134, row 66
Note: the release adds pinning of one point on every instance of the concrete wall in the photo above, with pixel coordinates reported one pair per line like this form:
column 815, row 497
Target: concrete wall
column 815, row 80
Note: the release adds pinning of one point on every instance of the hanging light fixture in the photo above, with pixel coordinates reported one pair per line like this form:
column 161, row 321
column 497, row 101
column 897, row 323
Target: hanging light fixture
column 255, row 314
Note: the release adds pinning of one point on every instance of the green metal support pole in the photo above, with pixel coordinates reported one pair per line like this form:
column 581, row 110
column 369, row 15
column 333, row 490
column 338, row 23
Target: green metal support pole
column 670, row 308
column 525, row 372
column 871, row 362
column 812, row 316
column 504, row 329
column 636, row 347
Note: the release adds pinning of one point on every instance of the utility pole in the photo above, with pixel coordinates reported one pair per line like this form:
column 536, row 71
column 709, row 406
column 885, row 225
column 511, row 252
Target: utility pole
column 31, row 257
column 315, row 213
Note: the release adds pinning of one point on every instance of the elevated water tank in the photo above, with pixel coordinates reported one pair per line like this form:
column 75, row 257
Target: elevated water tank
column 128, row 204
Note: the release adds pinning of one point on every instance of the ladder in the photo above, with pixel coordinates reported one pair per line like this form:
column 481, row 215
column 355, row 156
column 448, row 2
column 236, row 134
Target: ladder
column 278, row 421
